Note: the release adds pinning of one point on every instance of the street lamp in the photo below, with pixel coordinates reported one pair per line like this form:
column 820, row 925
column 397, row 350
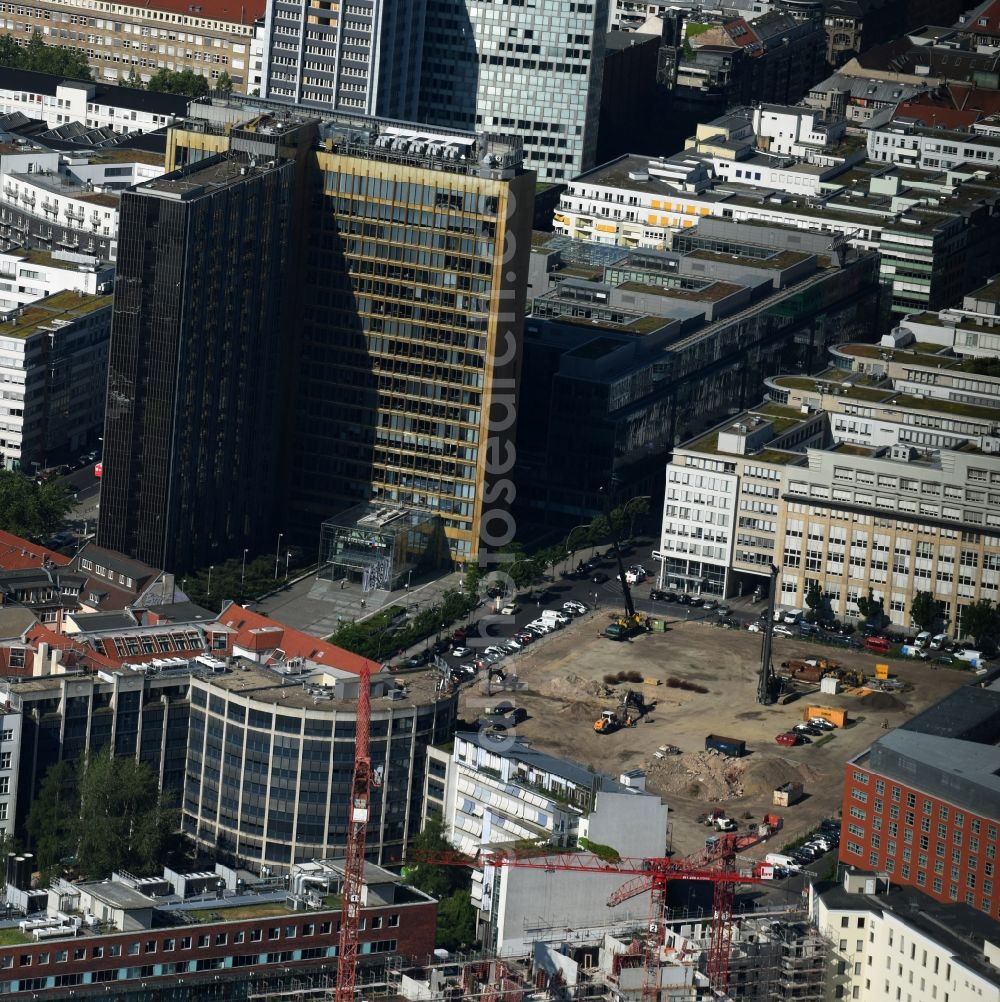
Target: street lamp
column 243, row 574
column 566, row 547
column 277, row 554
column 288, row 557
column 210, row 569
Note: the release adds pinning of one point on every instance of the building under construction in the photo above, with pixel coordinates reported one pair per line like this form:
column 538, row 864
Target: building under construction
column 777, row 956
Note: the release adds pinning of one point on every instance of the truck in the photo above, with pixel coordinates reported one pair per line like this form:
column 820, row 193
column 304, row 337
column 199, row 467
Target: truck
column 733, row 747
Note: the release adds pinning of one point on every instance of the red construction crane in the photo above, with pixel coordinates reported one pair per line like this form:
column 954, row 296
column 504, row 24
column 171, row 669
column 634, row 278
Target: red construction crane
column 354, row 858
column 715, row 864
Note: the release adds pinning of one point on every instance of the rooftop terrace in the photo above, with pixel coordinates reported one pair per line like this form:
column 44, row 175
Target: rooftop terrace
column 63, row 307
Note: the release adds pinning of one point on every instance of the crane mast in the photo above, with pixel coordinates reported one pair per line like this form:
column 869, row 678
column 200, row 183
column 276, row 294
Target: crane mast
column 357, row 830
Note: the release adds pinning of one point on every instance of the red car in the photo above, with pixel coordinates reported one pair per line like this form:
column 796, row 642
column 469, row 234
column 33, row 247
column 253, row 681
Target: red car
column 788, row 739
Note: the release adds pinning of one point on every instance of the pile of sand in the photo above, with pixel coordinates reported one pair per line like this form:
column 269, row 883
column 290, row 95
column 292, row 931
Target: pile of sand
column 570, row 686
column 713, row 777
column 881, row 701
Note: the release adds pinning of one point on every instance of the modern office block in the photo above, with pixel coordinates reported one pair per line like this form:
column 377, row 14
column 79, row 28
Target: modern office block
column 535, row 71
column 194, row 387
column 363, row 58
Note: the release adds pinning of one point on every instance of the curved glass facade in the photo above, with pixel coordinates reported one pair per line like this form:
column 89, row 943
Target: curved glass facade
column 267, row 784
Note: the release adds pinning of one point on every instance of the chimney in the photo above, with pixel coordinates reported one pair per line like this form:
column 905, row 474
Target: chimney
column 56, row 666
column 168, row 589
column 41, row 658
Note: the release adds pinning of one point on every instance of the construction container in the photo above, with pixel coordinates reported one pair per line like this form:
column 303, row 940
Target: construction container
column 829, row 685
column 773, row 821
column 733, row 747
column 787, row 794
column 659, row 625
column 882, row 672
column 836, row 717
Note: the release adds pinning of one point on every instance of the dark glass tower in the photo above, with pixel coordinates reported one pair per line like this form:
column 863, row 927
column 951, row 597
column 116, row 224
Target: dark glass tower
column 195, row 377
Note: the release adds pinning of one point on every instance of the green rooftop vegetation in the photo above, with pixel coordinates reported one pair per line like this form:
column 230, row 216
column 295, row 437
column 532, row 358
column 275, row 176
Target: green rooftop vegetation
column 13, row 937
column 222, row 913
column 66, row 306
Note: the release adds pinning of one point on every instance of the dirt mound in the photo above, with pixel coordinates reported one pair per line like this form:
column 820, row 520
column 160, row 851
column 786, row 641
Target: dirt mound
column 715, row 778
column 881, row 701
column 570, row 686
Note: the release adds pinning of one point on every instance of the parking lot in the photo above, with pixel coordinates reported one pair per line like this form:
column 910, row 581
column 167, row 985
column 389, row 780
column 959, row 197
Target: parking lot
column 560, row 689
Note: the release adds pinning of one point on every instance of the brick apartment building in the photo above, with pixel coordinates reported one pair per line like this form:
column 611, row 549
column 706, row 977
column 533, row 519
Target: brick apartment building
column 922, row 804
column 173, row 944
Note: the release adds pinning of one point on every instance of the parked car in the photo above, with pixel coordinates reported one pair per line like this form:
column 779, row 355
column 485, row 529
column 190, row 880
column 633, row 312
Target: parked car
column 710, row 604
column 600, row 577
column 685, row 599
column 510, row 609
column 822, row 723
column 525, row 637
column 460, row 652
column 782, row 631
column 658, row 596
column 416, row 661
column 754, row 627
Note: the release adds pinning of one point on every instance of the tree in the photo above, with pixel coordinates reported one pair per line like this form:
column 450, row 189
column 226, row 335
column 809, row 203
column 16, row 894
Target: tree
column 43, row 58
column 925, row 610
column 871, row 608
column 133, row 80
column 30, row 510
column 224, row 85
column 981, row 621
column 636, row 509
column 123, row 821
column 815, row 599
column 432, row 878
column 184, row 82
column 473, row 576
column 53, row 818
column 456, row 921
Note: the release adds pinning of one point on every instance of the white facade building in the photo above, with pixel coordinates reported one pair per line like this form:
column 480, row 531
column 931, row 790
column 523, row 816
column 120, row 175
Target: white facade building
column 904, row 946
column 10, row 743
column 59, row 102
column 27, row 275
column 911, row 144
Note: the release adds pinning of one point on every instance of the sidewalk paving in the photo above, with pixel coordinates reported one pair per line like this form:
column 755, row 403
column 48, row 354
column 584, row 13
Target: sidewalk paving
column 319, row 607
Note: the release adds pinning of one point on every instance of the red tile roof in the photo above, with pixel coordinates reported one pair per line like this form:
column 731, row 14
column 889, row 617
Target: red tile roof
column 237, row 11
column 257, row 633
column 992, row 18
column 18, row 554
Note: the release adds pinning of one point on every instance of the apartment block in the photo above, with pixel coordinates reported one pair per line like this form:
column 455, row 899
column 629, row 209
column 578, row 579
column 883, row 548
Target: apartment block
column 209, row 38
column 52, row 202
column 249, row 724
column 912, row 144
column 53, row 360
column 888, row 939
column 29, row 275
column 362, row 57
column 920, row 805
column 57, row 101
column 937, row 233
column 536, row 72
column 629, row 352
column 853, row 478
column 148, row 938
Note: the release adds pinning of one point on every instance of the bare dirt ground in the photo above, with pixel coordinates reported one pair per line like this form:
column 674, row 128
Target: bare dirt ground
column 560, row 687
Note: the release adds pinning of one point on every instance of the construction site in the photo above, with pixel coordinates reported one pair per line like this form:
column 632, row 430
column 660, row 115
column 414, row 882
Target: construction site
column 663, row 692
column 776, row 957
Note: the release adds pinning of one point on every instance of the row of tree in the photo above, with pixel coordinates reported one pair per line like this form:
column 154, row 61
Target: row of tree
column 42, row 58
column 183, row 82
column 979, row 620
column 29, row 510
column 37, row 55
column 100, row 815
column 241, row 581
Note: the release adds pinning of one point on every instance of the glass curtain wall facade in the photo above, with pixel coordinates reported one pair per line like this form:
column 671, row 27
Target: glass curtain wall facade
column 413, row 302
column 194, row 385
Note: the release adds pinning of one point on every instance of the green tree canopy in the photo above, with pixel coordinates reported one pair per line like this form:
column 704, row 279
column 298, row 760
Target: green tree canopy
column 123, row 820
column 30, row 510
column 224, row 85
column 44, row 58
column 871, row 608
column 432, row 878
column 52, row 821
column 925, row 610
column 184, row 82
column 456, row 922
column 981, row 621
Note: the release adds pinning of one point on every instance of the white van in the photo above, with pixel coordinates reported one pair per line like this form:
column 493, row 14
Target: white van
column 922, row 639
column 792, row 616
column 777, row 859
column 973, row 657
column 938, row 641
column 553, row 616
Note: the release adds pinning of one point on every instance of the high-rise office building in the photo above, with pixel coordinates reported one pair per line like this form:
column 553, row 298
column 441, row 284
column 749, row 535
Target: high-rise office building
column 194, row 385
column 362, row 57
column 532, row 70
column 405, row 309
